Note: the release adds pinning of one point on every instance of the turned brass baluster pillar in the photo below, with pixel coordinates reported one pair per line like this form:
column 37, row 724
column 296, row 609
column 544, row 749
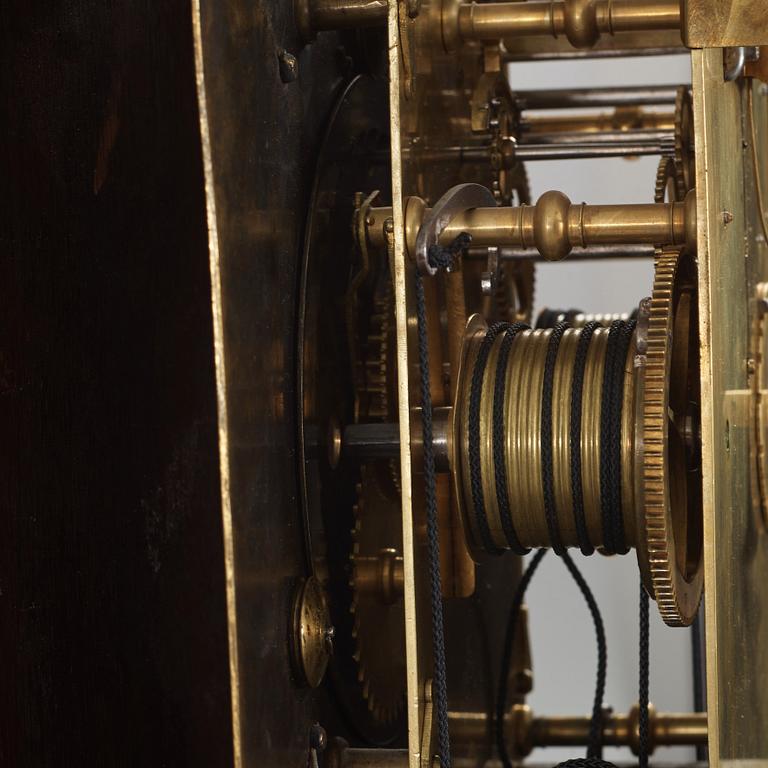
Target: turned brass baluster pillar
column 525, row 732
column 582, row 22
column 555, row 226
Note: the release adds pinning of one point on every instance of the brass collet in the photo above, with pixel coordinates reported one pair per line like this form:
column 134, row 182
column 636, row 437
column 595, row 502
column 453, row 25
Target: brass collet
column 555, row 225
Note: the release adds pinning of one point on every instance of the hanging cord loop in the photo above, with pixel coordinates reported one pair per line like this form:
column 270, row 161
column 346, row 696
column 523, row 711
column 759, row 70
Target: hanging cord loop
column 506, row 658
column 442, row 258
column 594, row 749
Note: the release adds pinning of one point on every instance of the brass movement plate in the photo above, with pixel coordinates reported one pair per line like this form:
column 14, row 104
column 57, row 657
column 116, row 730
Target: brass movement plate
column 414, row 652
column 723, row 23
column 731, row 260
column 430, row 105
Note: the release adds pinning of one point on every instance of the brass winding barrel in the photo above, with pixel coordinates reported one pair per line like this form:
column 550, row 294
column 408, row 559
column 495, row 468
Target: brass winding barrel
column 589, row 437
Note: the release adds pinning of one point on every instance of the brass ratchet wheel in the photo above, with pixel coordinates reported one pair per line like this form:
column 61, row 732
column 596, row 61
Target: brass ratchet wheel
column 589, row 437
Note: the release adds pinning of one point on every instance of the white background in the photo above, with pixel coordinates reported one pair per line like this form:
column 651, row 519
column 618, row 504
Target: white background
column 562, row 635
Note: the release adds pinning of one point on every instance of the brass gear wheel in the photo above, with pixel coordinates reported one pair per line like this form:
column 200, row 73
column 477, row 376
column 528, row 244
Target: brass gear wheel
column 377, row 395
column 685, row 156
column 513, row 297
column 670, row 520
column 377, row 607
column 666, row 189
column 375, row 399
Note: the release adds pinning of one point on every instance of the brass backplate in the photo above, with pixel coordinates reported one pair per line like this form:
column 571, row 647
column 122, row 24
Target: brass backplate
column 723, row 23
column 732, row 258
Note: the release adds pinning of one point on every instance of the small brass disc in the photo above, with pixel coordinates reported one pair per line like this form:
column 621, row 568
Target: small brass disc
column 312, row 633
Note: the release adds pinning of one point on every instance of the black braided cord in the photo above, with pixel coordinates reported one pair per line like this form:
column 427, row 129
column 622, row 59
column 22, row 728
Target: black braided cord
column 439, row 682
column 613, row 529
column 547, row 479
column 577, row 396
column 594, row 748
column 473, row 428
column 644, row 666
column 619, row 337
column 499, row 464
column 443, row 257
column 608, row 457
column 506, row 654
column 625, row 331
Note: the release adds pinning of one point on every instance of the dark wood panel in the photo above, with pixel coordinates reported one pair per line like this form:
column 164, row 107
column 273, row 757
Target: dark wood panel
column 112, row 601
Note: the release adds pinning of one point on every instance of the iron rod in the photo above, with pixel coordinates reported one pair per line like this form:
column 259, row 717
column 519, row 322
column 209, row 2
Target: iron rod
column 619, row 96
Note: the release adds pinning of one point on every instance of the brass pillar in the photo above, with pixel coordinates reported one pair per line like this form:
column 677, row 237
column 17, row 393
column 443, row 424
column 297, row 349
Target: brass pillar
column 581, row 22
column 554, row 226
column 524, row 732
column 314, row 16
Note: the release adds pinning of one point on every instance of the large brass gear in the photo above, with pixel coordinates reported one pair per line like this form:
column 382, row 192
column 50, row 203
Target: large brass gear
column 377, row 608
column 378, row 632
column 685, row 157
column 670, row 520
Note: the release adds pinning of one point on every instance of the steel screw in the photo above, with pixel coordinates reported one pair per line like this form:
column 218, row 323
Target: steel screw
column 288, row 65
column 318, row 738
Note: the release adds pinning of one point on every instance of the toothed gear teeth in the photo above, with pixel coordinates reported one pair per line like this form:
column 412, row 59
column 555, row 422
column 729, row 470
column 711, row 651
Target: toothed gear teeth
column 378, row 631
column 666, row 187
column 677, row 598
column 684, row 152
